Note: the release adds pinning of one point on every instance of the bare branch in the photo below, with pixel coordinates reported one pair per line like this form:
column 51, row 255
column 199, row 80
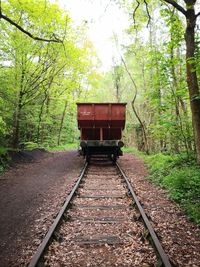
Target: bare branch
column 107, row 6
column 134, row 109
column 198, row 14
column 177, row 6
column 132, row 80
column 147, row 9
column 138, row 4
column 28, row 33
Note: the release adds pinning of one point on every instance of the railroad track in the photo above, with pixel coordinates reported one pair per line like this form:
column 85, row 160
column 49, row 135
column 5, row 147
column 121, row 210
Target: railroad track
column 101, row 223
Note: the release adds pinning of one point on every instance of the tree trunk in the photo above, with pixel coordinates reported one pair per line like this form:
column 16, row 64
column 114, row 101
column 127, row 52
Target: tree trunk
column 16, row 124
column 144, row 146
column 40, row 117
column 192, row 76
column 190, row 144
column 61, row 123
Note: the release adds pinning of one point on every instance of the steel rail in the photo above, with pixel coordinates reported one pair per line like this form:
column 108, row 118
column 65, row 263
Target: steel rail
column 37, row 256
column 162, row 255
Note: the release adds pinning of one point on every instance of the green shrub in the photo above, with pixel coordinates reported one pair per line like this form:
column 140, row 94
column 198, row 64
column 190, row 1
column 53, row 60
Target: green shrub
column 193, row 210
column 180, row 175
column 159, row 166
column 4, row 158
column 28, row 145
column 132, row 150
column 64, row 147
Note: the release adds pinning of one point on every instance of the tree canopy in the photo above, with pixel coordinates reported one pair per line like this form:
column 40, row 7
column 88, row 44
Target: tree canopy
column 41, row 77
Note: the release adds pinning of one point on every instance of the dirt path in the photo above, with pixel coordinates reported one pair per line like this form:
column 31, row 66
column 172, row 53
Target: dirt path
column 32, row 193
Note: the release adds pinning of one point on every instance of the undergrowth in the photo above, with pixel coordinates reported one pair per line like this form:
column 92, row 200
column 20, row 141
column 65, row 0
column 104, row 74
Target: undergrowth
column 63, row 147
column 4, row 158
column 180, row 176
column 132, row 150
column 31, row 146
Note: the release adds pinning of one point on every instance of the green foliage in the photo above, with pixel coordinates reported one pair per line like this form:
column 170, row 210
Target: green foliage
column 64, row 147
column 4, row 158
column 40, row 82
column 132, row 150
column 29, row 145
column 2, row 127
column 157, row 65
column 181, row 177
column 159, row 166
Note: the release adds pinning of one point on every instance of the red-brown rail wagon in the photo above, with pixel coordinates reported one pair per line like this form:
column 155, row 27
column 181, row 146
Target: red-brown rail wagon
column 101, row 126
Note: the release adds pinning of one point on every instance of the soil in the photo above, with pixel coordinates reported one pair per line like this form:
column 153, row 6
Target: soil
column 34, row 188
column 31, row 192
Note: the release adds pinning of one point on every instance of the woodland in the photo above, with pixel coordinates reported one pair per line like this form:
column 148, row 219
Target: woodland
column 47, row 65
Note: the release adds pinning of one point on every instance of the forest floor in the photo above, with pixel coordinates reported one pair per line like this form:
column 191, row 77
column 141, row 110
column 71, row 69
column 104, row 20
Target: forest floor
column 33, row 189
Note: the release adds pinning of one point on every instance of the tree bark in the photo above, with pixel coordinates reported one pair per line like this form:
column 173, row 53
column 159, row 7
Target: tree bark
column 192, row 81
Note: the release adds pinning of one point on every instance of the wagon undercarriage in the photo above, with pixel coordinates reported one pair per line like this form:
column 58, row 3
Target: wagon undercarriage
column 111, row 148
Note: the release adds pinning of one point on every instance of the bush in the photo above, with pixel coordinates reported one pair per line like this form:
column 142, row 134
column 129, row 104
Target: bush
column 132, row 150
column 180, row 175
column 4, row 158
column 63, row 147
column 28, row 145
column 159, row 166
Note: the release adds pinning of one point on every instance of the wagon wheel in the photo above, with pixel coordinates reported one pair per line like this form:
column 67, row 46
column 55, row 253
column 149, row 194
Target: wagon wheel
column 88, row 158
column 114, row 158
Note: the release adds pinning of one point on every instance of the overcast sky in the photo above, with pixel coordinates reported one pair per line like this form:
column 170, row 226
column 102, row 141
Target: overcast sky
column 103, row 19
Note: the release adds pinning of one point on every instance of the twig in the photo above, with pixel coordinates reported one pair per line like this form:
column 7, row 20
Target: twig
column 198, row 14
column 134, row 12
column 147, row 9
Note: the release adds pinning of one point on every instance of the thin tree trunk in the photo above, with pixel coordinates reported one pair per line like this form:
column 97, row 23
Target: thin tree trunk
column 40, row 115
column 16, row 124
column 146, row 147
column 184, row 109
column 190, row 144
column 61, row 122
